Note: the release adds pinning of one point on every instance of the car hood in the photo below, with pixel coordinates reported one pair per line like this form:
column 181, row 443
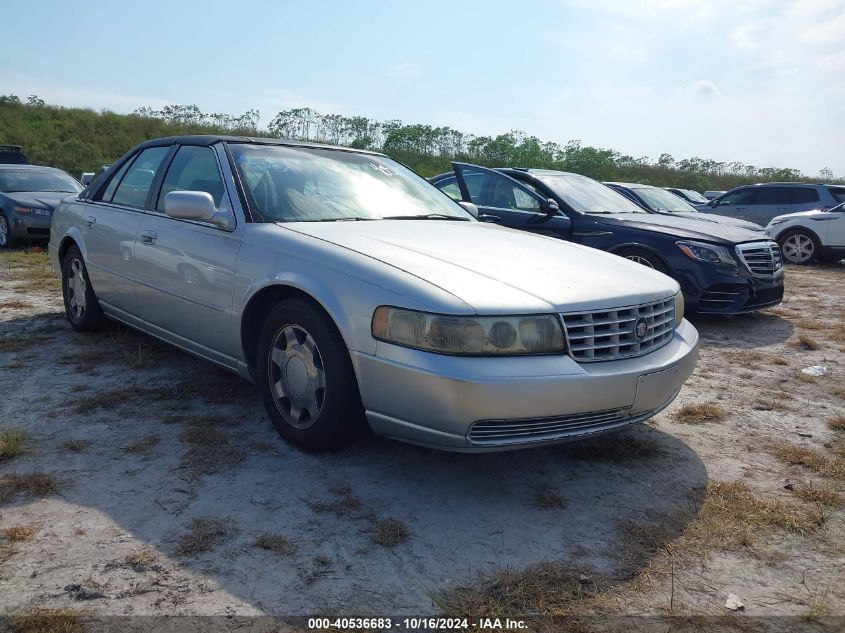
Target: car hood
column 497, row 270
column 681, row 227
column 796, row 216
column 722, row 219
column 49, row 199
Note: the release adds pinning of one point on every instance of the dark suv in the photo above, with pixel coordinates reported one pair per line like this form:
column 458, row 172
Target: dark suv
column 761, row 203
column 722, row 269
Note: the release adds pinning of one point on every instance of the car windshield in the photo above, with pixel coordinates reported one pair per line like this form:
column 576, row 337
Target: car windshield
column 588, row 196
column 18, row 180
column 303, row 184
column 693, row 195
column 663, row 201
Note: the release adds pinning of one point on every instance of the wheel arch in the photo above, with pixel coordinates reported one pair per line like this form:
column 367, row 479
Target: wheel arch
column 645, row 247
column 71, row 239
column 797, row 228
column 261, row 302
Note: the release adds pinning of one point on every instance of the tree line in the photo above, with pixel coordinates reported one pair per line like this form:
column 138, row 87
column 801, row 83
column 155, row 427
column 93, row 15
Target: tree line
column 77, row 140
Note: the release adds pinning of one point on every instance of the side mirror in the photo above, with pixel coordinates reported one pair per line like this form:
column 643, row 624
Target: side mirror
column 551, row 207
column 470, row 208
column 198, row 206
column 86, row 178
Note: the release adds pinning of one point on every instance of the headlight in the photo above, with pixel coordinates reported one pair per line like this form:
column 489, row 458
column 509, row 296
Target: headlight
column 529, row 334
column 679, row 308
column 710, row 253
column 32, row 210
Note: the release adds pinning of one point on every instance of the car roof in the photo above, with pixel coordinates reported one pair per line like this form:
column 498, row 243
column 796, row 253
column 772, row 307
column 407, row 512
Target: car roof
column 629, row 185
column 19, row 167
column 204, row 140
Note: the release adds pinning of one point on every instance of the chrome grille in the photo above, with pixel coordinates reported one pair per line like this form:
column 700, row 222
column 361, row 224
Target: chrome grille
column 611, row 334
column 761, row 258
column 573, row 426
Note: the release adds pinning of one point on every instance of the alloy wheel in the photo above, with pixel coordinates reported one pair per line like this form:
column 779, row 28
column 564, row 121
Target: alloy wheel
column 640, row 260
column 76, row 287
column 297, row 376
column 798, row 248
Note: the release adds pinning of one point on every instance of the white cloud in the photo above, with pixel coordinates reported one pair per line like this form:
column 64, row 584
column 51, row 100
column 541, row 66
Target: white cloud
column 705, row 88
column 405, row 70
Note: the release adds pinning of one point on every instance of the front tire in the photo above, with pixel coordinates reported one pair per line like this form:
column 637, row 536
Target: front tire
column 6, row 239
column 81, row 304
column 799, row 247
column 306, row 378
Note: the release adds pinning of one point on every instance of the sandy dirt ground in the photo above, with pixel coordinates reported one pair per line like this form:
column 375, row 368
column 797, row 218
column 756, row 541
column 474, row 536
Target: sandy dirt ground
column 149, row 482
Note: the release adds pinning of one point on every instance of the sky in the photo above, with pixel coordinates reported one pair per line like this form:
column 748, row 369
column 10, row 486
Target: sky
column 761, row 82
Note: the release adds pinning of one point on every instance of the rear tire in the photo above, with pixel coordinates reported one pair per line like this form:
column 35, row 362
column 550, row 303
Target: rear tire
column 307, row 380
column 644, row 257
column 799, row 247
column 81, row 304
column 6, row 239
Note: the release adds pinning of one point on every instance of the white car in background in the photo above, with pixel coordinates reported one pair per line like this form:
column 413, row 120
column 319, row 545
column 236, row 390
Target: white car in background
column 807, row 236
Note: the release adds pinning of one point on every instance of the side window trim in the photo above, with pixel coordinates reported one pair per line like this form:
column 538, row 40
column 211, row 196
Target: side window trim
column 152, row 194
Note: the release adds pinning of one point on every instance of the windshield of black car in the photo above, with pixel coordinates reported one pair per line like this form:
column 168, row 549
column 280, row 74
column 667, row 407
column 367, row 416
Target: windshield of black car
column 587, row 195
column 694, row 195
column 20, row 180
column 663, row 201
column 304, row 184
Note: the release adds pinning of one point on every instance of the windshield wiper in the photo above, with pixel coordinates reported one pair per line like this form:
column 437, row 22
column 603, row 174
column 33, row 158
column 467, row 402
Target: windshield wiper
column 426, row 216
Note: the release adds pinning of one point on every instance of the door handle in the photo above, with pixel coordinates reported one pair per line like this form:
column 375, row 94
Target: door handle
column 149, row 237
column 90, row 220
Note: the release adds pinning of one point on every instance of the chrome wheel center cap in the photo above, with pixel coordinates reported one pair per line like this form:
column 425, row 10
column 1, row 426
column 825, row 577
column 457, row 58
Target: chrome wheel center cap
column 296, row 374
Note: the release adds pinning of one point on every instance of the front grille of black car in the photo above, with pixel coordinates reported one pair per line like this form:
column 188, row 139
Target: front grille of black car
column 762, row 259
column 611, row 334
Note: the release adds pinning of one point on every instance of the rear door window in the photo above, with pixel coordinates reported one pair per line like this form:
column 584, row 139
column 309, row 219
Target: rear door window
column 738, row 197
column 803, row 195
column 838, row 193
column 136, row 182
column 772, row 195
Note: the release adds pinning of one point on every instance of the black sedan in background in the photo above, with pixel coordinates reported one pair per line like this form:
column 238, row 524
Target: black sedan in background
column 688, row 195
column 722, row 269
column 656, row 200
column 28, row 195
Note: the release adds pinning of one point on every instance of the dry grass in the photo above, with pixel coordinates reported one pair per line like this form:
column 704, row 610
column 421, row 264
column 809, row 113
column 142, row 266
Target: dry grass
column 32, row 485
column 142, row 444
column 620, row 447
column 837, row 423
column 807, row 342
column 137, row 357
column 19, row 533
column 276, row 543
column 744, row 356
column 205, row 534
column 813, row 459
column 222, row 388
column 546, row 498
column 12, row 443
column 779, row 360
column 819, row 493
column 545, row 589
column 772, row 401
column 701, row 413
column 22, row 341
column 76, row 446
column 209, row 451
column 15, row 304
column 140, row 559
column 344, row 504
column 39, row 619
column 116, row 398
column 807, row 324
column 389, row 532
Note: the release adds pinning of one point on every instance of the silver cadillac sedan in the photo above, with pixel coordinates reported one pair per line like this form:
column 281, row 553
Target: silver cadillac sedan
column 358, row 296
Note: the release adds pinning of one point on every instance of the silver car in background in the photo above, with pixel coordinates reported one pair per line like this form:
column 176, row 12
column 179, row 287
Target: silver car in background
column 355, row 295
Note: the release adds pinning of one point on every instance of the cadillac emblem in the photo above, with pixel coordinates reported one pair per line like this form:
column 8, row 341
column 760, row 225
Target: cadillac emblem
column 640, row 329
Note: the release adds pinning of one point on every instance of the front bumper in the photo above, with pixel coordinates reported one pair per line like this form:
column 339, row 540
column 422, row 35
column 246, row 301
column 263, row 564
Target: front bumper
column 28, row 226
column 473, row 404
column 709, row 290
